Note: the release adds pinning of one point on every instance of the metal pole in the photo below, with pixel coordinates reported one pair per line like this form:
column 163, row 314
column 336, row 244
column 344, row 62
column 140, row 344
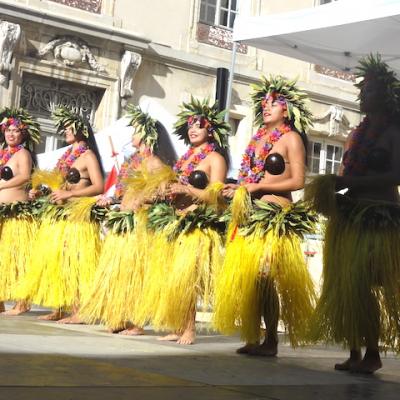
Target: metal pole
column 230, row 81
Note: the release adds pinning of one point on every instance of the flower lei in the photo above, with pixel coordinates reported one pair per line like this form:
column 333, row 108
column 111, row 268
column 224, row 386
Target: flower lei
column 355, row 158
column 6, row 154
column 134, row 162
column 69, row 157
column 184, row 173
column 252, row 166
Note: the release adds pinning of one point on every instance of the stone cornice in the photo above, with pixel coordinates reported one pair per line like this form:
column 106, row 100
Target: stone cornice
column 98, row 30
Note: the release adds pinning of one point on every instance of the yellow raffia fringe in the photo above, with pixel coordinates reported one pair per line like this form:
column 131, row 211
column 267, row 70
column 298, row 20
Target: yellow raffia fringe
column 320, row 193
column 64, row 260
column 213, row 196
column 17, row 235
column 157, row 267
column 361, row 275
column 117, row 286
column 53, row 179
column 196, row 256
column 241, row 286
column 79, row 209
column 240, row 206
column 145, row 183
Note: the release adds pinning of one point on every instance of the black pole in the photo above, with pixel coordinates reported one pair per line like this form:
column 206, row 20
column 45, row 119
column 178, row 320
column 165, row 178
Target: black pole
column 221, row 87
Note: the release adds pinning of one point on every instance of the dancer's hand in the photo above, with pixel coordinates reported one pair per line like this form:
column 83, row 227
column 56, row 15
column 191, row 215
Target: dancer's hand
column 33, row 194
column 229, row 190
column 104, row 201
column 178, row 188
column 60, row 195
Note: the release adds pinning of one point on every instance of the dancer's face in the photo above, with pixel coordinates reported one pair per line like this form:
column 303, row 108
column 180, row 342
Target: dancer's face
column 136, row 141
column 274, row 112
column 197, row 135
column 13, row 136
column 69, row 135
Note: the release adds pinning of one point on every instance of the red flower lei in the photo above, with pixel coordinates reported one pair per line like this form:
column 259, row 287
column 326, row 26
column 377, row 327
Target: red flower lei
column 134, row 162
column 184, row 173
column 355, row 158
column 69, row 157
column 6, row 154
column 252, row 166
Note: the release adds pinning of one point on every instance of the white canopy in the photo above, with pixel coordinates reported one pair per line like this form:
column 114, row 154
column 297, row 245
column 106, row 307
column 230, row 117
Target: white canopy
column 334, row 35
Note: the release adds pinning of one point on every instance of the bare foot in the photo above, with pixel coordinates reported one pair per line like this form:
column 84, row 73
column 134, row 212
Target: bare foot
column 121, row 328
column 188, row 336
column 370, row 363
column 266, row 350
column 54, row 316
column 172, row 337
column 2, row 308
column 352, row 361
column 19, row 308
column 246, row 348
column 134, row 331
column 73, row 319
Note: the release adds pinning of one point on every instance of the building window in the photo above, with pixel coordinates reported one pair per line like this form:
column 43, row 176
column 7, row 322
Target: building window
column 219, row 12
column 324, row 157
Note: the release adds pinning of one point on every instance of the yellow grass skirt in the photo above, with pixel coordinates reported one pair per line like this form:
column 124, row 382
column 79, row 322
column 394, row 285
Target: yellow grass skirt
column 16, row 239
column 64, row 258
column 252, row 263
column 117, row 287
column 361, row 275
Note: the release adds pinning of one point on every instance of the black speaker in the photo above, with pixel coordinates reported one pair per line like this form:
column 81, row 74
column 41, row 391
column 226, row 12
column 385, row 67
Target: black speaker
column 221, row 87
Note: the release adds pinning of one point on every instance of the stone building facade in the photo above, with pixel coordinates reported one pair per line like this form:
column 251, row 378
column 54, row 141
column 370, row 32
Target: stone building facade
column 99, row 55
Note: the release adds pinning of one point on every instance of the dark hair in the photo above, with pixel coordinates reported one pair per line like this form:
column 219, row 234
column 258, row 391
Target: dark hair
column 164, row 148
column 91, row 142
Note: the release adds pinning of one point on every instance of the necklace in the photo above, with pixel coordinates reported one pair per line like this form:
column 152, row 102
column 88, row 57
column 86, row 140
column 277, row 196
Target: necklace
column 133, row 163
column 6, row 154
column 69, row 157
column 355, row 158
column 252, row 166
column 184, row 172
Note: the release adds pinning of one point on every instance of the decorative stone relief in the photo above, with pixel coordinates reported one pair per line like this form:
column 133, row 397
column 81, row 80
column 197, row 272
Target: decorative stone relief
column 334, row 122
column 93, row 6
column 9, row 36
column 130, row 63
column 217, row 36
column 39, row 95
column 71, row 51
column 346, row 76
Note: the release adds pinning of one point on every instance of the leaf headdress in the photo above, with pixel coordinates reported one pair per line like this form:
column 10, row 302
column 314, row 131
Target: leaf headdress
column 373, row 68
column 20, row 118
column 64, row 118
column 211, row 118
column 145, row 126
column 299, row 115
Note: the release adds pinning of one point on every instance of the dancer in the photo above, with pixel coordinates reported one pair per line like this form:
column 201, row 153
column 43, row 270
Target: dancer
column 360, row 300
column 21, row 133
column 264, row 272
column 116, row 289
column 64, row 262
column 191, row 237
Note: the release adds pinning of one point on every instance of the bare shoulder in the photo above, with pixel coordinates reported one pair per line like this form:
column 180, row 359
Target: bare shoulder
column 24, row 154
column 216, row 157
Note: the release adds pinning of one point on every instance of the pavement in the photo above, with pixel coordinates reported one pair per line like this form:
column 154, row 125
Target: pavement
column 44, row 360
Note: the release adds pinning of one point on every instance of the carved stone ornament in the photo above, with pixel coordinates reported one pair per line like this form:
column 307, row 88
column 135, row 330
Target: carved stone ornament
column 9, row 36
column 130, row 63
column 71, row 51
column 334, row 122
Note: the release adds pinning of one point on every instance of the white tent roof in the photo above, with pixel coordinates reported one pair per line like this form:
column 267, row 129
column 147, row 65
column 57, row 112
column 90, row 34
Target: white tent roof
column 335, row 35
